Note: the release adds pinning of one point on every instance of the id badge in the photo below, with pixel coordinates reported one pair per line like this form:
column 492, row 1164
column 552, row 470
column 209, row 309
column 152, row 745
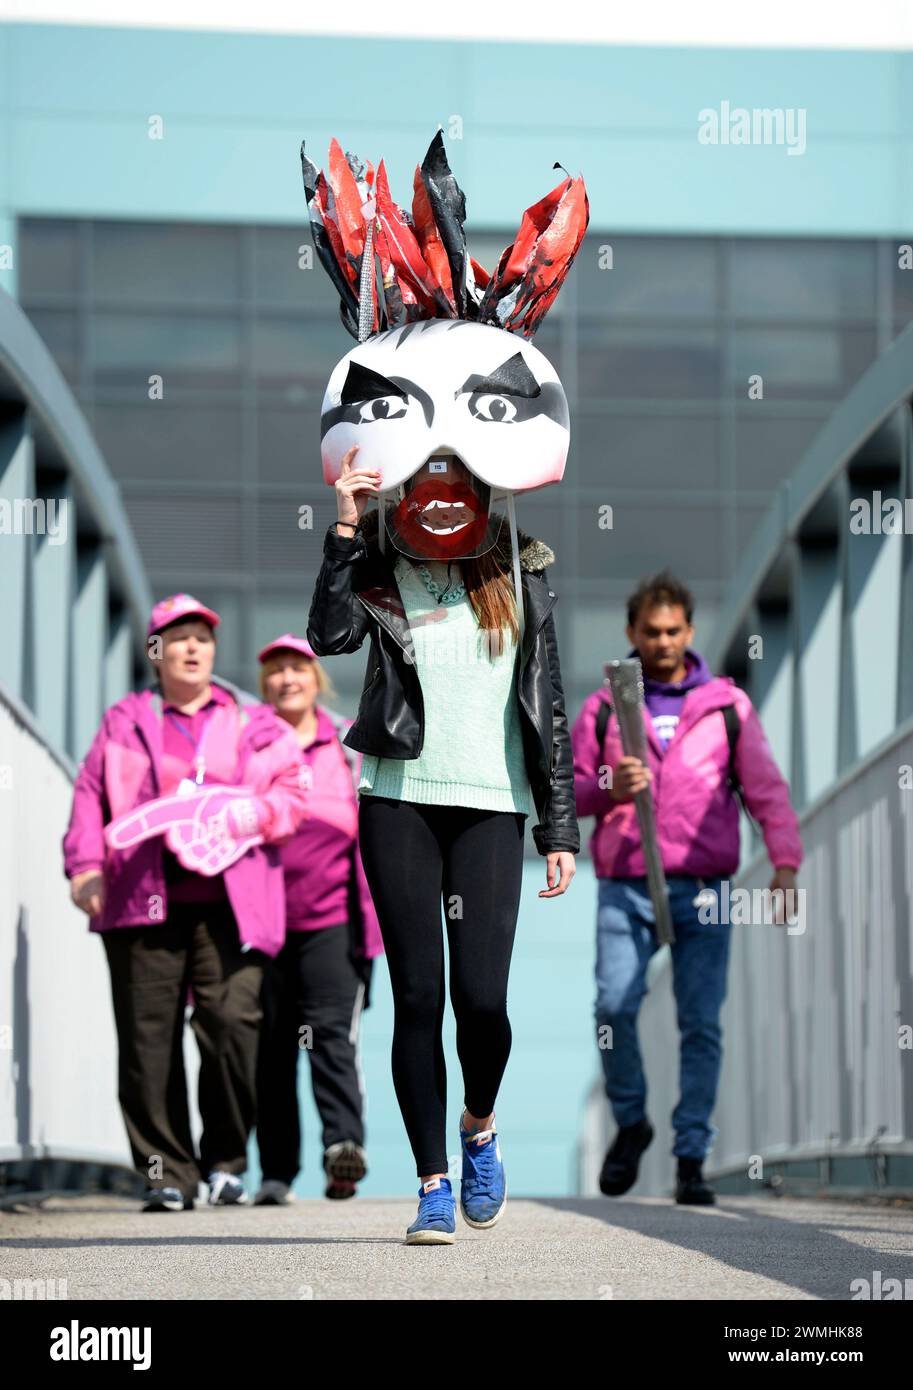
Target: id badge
column 188, row 785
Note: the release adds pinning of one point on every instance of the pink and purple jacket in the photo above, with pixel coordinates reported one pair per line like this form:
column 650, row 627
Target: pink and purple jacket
column 246, row 745
column 322, row 858
column 697, row 817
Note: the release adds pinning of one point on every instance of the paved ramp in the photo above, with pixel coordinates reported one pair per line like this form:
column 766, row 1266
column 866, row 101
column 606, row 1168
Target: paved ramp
column 562, row 1248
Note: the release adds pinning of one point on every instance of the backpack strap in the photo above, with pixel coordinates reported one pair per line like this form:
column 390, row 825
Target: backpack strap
column 602, row 722
column 733, row 725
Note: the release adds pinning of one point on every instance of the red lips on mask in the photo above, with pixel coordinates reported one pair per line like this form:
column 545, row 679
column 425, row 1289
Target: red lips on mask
column 437, row 545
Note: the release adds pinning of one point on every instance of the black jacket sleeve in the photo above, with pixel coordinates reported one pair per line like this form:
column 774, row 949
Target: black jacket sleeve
column 336, row 622
column 558, row 829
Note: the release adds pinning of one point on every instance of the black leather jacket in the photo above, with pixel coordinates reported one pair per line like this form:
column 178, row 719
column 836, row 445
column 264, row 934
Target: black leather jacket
column 357, row 594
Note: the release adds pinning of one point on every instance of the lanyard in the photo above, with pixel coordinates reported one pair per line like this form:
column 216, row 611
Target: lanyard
column 198, row 758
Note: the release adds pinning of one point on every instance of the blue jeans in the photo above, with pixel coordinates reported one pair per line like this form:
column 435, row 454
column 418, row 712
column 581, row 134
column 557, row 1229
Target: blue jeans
column 625, row 941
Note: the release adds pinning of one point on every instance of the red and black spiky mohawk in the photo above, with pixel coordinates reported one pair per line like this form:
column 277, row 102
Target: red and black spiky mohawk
column 426, row 270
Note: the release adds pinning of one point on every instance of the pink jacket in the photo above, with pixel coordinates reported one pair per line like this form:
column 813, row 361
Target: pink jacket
column 323, row 858
column 697, row 817
column 250, row 746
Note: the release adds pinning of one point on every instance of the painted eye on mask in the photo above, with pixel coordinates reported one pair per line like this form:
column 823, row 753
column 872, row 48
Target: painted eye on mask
column 496, row 409
column 382, row 408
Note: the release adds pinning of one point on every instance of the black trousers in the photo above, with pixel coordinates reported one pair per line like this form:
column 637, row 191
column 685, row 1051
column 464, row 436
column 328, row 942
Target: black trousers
column 313, row 995
column 415, row 857
column 152, row 968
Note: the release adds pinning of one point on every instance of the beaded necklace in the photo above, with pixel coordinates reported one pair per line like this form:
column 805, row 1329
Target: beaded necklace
column 436, row 590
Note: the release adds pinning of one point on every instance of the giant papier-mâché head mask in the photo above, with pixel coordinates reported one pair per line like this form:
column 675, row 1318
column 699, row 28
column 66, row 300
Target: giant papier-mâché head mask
column 444, row 394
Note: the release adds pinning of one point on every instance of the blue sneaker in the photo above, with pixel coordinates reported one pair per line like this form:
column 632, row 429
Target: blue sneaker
column 436, row 1220
column 483, row 1187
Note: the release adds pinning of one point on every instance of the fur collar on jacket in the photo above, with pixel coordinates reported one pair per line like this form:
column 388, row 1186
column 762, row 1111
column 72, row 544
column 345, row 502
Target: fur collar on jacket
column 535, row 555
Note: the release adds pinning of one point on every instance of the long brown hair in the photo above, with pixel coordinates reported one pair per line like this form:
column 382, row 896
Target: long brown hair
column 490, row 590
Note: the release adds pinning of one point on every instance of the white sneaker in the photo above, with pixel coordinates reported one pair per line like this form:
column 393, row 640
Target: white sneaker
column 166, row 1199
column 273, row 1193
column 225, row 1189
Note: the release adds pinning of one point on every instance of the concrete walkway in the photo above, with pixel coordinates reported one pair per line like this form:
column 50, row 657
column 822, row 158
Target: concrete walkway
column 549, row 1248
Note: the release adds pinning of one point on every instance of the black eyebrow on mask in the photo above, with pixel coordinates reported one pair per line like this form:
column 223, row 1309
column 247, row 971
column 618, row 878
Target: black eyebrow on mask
column 512, row 378
column 362, row 384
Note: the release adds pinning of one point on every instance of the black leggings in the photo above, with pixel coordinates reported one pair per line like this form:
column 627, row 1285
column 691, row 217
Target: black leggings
column 414, row 855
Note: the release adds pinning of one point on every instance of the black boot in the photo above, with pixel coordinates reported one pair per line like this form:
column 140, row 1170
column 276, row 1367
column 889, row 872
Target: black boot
column 619, row 1169
column 690, row 1188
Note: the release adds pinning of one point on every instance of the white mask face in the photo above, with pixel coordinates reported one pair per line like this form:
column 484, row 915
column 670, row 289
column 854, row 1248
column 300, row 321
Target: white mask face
column 447, row 386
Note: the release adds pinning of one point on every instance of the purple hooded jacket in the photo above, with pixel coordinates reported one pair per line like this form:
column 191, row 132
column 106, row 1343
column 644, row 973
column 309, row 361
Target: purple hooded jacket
column 697, row 817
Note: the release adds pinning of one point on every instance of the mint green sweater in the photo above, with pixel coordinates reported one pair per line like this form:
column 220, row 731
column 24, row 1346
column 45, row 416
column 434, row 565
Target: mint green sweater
column 472, row 753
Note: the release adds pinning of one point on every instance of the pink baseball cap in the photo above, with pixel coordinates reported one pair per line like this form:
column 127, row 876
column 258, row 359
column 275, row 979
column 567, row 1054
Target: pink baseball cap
column 178, row 606
column 287, row 642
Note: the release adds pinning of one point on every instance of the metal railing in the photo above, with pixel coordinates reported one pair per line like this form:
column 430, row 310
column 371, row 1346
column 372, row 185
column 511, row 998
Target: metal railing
column 75, row 598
